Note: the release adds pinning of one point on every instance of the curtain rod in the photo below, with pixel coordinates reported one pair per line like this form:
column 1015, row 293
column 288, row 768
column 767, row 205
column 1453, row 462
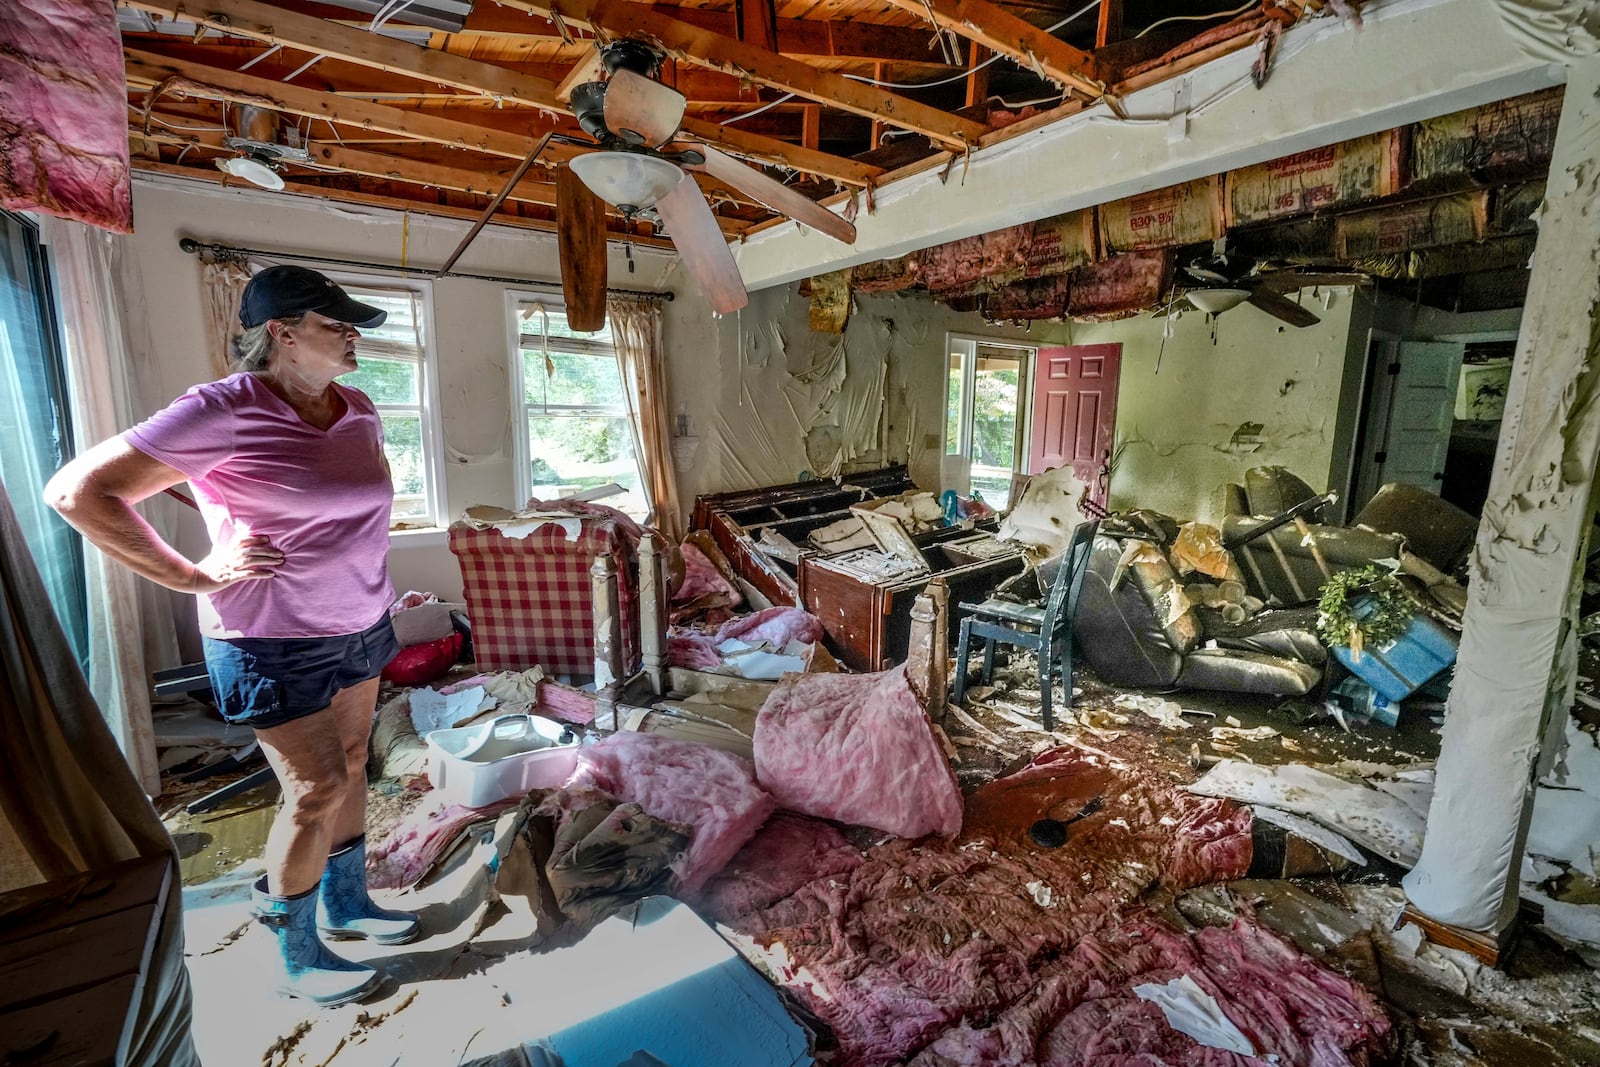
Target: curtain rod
column 193, row 247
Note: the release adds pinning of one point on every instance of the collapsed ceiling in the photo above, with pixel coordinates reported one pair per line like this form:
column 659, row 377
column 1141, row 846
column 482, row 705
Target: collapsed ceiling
column 429, row 104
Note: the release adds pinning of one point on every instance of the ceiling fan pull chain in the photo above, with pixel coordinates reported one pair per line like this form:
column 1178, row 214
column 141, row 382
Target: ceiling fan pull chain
column 627, row 251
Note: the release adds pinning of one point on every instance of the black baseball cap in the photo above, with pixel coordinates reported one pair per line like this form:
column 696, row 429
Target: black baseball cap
column 284, row 290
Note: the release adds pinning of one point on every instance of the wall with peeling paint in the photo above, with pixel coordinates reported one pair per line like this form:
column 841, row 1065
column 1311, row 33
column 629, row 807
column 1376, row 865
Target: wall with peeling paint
column 773, row 400
column 1260, row 393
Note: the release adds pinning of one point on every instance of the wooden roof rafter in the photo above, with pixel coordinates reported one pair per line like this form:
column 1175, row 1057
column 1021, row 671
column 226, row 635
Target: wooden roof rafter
column 247, row 18
column 705, row 48
column 151, row 69
column 1000, row 31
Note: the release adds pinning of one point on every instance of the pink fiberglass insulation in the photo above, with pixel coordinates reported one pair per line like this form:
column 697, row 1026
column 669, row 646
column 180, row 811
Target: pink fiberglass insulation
column 776, row 626
column 64, row 113
column 786, row 853
column 700, row 577
column 696, row 651
column 404, row 856
column 711, row 791
column 857, row 748
column 991, row 949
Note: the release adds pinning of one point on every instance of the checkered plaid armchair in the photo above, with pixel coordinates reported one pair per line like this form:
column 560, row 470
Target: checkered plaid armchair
column 531, row 598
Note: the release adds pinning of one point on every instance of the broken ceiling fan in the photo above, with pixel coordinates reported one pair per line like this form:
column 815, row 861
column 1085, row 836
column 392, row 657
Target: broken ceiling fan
column 643, row 173
column 1224, row 280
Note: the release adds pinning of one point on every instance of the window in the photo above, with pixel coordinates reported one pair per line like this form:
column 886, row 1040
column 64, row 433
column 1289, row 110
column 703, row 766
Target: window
column 573, row 433
column 35, row 430
column 397, row 374
column 985, row 438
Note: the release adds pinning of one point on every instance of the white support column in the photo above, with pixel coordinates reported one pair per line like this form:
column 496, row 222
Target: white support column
column 607, row 641
column 652, row 615
column 1515, row 669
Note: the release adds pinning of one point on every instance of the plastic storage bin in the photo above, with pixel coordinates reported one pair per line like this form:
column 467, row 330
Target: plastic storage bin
column 1406, row 664
column 479, row 765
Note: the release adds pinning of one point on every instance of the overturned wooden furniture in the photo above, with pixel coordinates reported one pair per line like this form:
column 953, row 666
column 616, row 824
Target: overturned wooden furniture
column 741, row 521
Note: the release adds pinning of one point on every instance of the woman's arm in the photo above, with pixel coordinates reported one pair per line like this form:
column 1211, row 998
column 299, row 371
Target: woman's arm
column 96, row 492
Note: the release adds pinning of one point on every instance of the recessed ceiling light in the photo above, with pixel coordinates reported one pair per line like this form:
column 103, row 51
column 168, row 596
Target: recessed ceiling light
column 251, row 171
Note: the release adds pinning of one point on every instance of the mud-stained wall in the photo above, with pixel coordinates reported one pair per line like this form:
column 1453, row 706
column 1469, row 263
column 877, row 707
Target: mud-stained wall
column 1260, row 393
column 779, row 401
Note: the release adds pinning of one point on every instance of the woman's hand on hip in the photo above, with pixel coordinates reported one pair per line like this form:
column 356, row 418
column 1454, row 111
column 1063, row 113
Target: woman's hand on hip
column 246, row 559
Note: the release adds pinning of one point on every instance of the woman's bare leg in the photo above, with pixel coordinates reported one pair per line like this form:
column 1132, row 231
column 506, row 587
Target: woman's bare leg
column 307, row 755
column 353, row 709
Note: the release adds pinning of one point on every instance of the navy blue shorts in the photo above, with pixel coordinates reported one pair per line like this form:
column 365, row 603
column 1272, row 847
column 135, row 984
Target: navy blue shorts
column 268, row 681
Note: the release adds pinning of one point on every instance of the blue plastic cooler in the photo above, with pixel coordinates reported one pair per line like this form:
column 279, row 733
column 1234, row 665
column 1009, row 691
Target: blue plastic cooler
column 1406, row 664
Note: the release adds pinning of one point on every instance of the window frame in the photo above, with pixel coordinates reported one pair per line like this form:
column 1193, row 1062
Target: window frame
column 521, row 452
column 436, row 516
column 956, row 466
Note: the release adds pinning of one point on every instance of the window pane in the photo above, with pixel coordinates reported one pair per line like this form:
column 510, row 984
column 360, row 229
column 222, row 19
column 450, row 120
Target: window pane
column 952, row 410
column 572, row 453
column 571, row 379
column 539, row 320
column 386, row 381
column 402, row 444
column 994, row 427
column 401, row 326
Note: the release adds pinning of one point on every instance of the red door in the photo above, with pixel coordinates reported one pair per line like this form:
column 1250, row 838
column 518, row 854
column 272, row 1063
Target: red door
column 1075, row 412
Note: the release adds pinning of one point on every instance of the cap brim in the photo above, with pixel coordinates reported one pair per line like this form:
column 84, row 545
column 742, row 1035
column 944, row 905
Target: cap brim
column 362, row 316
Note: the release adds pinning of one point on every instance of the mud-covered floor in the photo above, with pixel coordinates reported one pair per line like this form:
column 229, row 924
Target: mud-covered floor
column 1542, row 1008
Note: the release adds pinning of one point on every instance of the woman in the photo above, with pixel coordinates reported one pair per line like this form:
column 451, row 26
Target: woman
column 288, row 469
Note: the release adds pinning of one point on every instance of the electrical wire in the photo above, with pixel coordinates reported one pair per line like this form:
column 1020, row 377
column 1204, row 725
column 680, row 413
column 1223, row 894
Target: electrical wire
column 177, row 126
column 1198, row 18
column 786, row 97
column 967, row 73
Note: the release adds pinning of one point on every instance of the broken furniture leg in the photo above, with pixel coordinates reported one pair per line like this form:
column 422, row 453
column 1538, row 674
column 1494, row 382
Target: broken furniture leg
column 928, row 664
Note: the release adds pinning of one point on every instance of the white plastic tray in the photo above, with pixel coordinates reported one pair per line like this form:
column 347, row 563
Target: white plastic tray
column 506, row 757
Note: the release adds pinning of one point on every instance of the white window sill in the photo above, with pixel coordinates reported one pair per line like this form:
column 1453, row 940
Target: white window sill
column 421, row 537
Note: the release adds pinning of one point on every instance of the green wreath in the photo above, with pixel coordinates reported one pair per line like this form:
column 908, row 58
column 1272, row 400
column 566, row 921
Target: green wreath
column 1366, row 606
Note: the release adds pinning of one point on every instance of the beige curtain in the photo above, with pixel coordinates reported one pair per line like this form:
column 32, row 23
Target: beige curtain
column 67, row 801
column 636, row 330
column 222, row 281
column 131, row 631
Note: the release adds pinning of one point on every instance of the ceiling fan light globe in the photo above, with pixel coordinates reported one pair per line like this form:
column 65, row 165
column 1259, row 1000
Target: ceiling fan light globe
column 1216, row 301
column 626, row 179
column 253, row 171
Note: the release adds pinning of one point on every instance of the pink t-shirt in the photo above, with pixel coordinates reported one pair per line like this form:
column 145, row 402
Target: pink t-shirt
column 323, row 497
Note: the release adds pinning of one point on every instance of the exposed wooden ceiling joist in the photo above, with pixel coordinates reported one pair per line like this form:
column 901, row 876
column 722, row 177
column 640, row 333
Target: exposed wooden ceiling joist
column 705, row 48
column 247, row 18
column 1003, row 32
column 148, row 68
column 394, row 203
column 859, row 40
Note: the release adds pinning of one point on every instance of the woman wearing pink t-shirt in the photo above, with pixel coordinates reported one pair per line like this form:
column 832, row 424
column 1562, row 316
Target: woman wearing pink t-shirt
column 288, row 470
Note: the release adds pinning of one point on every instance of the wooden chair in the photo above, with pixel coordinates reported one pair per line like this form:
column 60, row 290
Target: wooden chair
column 1045, row 628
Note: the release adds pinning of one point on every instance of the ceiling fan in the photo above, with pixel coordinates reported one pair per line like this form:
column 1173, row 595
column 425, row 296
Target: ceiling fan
column 1224, row 280
column 643, row 173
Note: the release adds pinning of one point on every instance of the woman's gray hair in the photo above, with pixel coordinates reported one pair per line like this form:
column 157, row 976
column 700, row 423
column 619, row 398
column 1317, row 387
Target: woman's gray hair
column 253, row 348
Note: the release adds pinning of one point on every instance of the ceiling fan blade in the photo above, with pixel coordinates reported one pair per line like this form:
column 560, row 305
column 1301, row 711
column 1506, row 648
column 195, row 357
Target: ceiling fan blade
column 642, row 110
column 694, row 232
column 1287, row 281
column 1281, row 307
column 776, row 195
column 581, row 237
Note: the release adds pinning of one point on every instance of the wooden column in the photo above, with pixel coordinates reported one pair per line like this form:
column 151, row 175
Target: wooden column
column 1518, row 649
column 607, row 641
column 978, row 81
column 652, row 616
column 1109, row 31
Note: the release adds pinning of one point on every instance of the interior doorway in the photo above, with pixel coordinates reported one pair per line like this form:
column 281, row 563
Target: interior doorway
column 1432, row 417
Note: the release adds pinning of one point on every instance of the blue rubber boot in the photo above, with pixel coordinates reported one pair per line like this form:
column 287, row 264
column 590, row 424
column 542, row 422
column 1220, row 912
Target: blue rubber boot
column 346, row 912
column 310, row 970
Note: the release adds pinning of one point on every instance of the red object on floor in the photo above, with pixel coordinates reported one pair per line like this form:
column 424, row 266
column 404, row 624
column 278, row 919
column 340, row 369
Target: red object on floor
column 421, row 664
column 531, row 599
